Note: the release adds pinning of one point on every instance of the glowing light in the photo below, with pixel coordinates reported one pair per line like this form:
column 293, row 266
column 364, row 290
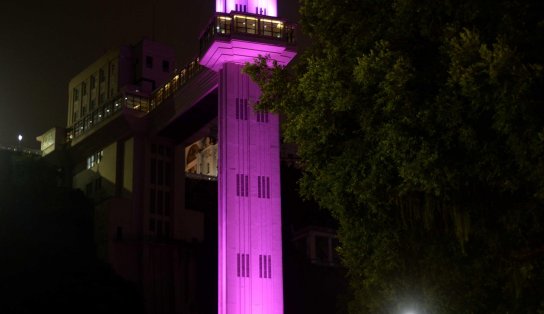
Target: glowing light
column 20, row 137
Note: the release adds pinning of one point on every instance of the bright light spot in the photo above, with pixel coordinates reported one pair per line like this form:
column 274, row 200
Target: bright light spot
column 20, row 137
column 410, row 312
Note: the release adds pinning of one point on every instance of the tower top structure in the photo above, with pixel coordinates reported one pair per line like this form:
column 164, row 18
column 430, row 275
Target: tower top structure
column 262, row 7
column 242, row 30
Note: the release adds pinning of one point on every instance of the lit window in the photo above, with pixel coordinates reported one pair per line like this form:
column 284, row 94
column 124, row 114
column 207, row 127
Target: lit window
column 94, row 159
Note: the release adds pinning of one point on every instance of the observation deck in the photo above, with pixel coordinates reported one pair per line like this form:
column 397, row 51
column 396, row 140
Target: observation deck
column 240, row 37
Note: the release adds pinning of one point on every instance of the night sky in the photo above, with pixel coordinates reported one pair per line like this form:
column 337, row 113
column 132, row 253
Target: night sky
column 44, row 44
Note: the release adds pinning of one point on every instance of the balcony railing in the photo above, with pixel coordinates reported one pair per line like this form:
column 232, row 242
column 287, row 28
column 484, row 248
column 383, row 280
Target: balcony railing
column 134, row 101
column 224, row 25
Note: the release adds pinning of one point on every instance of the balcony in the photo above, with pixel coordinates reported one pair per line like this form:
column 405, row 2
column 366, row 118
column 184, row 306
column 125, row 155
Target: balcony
column 244, row 31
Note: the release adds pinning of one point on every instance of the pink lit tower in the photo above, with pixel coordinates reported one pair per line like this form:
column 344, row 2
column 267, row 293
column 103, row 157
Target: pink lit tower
column 250, row 250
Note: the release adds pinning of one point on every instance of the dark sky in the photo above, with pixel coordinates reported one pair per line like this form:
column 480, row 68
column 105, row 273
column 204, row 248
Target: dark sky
column 43, row 44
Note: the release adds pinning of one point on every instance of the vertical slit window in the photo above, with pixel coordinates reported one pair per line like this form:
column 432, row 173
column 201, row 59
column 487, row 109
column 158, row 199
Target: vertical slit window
column 153, row 171
column 245, row 109
column 267, row 187
column 259, row 186
column 238, row 265
column 243, row 265
column 265, row 274
column 247, row 187
column 160, row 170
column 260, row 266
column 247, row 265
column 242, row 185
column 152, row 225
column 269, row 266
column 159, row 202
column 238, row 185
column 152, row 200
column 238, row 108
column 167, row 203
column 167, row 173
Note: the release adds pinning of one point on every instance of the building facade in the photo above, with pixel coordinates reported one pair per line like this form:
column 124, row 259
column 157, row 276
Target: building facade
column 142, row 137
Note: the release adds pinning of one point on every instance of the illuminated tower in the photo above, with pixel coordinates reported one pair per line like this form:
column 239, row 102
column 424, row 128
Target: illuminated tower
column 250, row 251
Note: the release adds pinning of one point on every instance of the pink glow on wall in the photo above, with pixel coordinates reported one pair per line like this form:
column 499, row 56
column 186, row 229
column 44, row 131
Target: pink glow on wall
column 240, row 52
column 268, row 7
column 250, row 250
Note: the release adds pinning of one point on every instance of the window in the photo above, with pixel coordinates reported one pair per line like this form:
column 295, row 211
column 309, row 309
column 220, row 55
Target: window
column 153, row 173
column 263, row 187
column 262, row 116
column 160, row 204
column 167, row 229
column 93, row 82
column 160, row 172
column 119, row 234
column 165, row 66
column 84, row 89
column 167, row 210
column 245, row 24
column 167, row 173
column 241, row 109
column 152, row 200
column 242, row 188
column 223, row 25
column 149, row 62
column 242, row 266
column 265, row 266
column 101, row 76
column 94, row 159
column 159, row 228
column 76, row 94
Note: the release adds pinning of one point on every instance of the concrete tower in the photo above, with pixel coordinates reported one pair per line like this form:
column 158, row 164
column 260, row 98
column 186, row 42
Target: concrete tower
column 250, row 250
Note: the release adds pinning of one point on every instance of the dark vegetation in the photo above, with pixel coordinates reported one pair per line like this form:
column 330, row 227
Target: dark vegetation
column 47, row 254
column 420, row 126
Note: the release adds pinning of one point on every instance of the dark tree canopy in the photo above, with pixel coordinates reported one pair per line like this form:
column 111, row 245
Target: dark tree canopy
column 420, row 125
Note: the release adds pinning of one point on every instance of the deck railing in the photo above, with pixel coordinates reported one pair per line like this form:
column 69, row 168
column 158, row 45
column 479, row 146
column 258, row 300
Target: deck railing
column 224, row 25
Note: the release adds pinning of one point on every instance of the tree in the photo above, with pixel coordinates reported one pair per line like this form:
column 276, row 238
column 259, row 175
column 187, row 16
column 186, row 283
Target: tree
column 420, row 126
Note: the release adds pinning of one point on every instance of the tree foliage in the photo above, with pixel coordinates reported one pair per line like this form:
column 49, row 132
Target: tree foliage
column 420, row 125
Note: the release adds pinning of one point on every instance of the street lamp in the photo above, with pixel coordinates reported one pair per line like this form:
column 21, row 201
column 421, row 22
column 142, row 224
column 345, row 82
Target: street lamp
column 19, row 138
